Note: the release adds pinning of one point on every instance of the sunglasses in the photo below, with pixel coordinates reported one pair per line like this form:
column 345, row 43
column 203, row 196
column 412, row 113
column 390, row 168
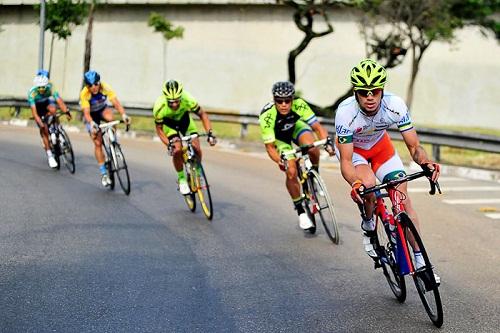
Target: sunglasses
column 173, row 101
column 283, row 100
column 368, row 92
column 93, row 84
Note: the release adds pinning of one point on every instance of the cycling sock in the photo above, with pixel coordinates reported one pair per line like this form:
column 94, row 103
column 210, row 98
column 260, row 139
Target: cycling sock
column 368, row 225
column 419, row 259
column 297, row 202
column 180, row 175
column 49, row 153
column 316, row 167
column 102, row 169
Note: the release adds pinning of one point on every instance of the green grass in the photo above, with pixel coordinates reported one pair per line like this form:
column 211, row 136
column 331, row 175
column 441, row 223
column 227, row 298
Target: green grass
column 454, row 156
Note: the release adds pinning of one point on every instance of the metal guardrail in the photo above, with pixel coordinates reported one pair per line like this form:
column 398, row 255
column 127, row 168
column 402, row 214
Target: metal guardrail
column 435, row 137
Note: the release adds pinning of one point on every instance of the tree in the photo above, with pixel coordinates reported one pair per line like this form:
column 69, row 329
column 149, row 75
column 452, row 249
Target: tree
column 421, row 22
column 61, row 17
column 88, row 36
column 166, row 28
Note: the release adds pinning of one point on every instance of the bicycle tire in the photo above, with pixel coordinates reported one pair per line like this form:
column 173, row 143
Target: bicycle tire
column 309, row 204
column 424, row 279
column 120, row 166
column 109, row 168
column 386, row 251
column 67, row 151
column 190, row 198
column 203, row 191
column 325, row 206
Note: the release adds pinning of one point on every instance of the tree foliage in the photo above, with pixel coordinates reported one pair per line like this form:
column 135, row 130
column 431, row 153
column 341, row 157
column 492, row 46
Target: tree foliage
column 63, row 15
column 165, row 27
column 416, row 24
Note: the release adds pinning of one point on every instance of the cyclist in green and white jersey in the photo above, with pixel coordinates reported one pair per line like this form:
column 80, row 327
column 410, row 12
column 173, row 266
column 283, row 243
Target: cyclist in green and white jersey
column 42, row 98
column 172, row 114
column 290, row 119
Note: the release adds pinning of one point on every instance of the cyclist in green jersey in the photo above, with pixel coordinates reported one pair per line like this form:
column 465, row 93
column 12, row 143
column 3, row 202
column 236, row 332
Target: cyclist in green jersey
column 42, row 98
column 172, row 114
column 290, row 119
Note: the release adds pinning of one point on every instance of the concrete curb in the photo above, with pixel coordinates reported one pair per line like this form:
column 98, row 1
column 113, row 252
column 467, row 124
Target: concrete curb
column 253, row 148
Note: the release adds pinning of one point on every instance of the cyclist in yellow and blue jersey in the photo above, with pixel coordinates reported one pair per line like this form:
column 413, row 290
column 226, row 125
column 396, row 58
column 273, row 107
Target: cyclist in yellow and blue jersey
column 94, row 101
column 290, row 119
column 42, row 98
column 172, row 114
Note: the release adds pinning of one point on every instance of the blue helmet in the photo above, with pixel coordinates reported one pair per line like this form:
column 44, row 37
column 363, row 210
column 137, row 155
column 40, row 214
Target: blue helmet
column 91, row 77
column 43, row 72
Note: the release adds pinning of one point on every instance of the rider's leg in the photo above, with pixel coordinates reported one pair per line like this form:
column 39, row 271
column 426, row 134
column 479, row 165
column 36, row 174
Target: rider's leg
column 305, row 138
column 178, row 161
column 197, row 148
column 293, row 187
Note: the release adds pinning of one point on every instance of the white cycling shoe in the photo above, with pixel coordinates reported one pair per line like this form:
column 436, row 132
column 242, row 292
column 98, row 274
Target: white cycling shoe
column 305, row 222
column 52, row 162
column 105, row 180
column 419, row 263
column 368, row 228
column 184, row 187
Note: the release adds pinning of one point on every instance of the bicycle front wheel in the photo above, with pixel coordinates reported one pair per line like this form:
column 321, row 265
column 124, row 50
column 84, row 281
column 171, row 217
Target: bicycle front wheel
column 120, row 166
column 66, row 150
column 324, row 206
column 424, row 278
column 190, row 198
column 203, row 190
column 386, row 250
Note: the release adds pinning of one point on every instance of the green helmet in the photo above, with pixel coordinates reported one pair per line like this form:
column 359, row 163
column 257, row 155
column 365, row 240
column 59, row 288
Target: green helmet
column 368, row 74
column 172, row 89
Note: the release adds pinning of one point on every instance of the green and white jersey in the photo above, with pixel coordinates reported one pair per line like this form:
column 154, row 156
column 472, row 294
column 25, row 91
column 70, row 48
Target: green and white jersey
column 275, row 126
column 353, row 126
column 34, row 95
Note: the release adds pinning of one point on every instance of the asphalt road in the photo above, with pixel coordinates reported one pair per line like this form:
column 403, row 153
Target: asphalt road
column 75, row 257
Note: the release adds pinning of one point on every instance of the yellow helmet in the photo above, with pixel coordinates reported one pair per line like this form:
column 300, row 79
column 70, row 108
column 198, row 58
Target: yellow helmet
column 172, row 89
column 368, row 74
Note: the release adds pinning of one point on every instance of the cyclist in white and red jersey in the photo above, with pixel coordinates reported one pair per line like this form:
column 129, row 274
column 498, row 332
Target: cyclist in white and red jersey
column 363, row 145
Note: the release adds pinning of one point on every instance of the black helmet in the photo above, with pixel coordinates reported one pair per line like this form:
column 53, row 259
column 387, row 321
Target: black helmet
column 283, row 89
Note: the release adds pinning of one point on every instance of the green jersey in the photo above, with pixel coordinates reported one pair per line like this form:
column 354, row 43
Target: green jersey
column 35, row 96
column 163, row 114
column 275, row 126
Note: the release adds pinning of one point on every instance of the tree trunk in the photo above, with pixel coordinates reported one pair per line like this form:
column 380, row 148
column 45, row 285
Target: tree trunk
column 88, row 39
column 51, row 53
column 66, row 42
column 294, row 54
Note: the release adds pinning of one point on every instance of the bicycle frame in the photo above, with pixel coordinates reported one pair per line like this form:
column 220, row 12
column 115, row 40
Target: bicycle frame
column 393, row 218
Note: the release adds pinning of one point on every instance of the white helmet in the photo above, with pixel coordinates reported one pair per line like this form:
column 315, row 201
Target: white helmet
column 40, row 81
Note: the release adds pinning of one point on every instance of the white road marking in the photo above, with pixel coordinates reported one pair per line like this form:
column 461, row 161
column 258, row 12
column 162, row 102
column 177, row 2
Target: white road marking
column 471, row 201
column 494, row 216
column 458, row 189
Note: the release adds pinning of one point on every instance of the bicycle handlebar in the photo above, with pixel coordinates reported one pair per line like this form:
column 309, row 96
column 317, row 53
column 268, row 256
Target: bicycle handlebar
column 192, row 136
column 113, row 123
column 407, row 178
column 302, row 149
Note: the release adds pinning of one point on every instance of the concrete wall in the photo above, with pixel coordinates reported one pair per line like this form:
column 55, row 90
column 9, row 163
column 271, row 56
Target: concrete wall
column 230, row 56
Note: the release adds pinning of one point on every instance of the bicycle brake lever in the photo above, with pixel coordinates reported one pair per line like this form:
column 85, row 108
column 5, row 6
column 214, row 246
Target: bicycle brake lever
column 434, row 185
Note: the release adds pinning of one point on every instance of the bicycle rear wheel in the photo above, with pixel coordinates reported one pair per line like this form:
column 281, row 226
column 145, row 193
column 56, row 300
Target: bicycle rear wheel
column 190, row 198
column 424, row 279
column 66, row 150
column 321, row 197
column 203, row 190
column 386, row 251
column 120, row 166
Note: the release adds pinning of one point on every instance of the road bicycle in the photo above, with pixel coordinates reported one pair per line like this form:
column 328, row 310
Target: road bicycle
column 115, row 160
column 318, row 202
column 196, row 177
column 59, row 142
column 396, row 240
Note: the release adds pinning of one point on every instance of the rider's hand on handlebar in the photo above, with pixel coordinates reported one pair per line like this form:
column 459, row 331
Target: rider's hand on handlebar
column 94, row 128
column 39, row 121
column 211, row 139
column 281, row 165
column 68, row 115
column 329, row 146
column 355, row 188
column 126, row 119
column 433, row 168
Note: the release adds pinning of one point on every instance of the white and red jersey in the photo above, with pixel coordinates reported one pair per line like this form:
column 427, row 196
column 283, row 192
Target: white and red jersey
column 353, row 126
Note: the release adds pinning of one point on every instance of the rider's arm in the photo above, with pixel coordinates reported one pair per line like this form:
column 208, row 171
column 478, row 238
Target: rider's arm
column 346, row 167
column 418, row 153
column 161, row 134
column 204, row 120
column 117, row 105
column 273, row 152
column 62, row 105
column 86, row 115
column 35, row 115
column 320, row 131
